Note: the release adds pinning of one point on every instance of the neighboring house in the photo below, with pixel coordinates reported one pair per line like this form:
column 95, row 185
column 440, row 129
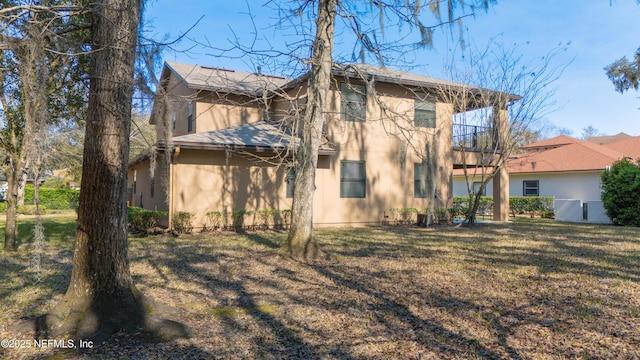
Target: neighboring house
column 231, row 137
column 561, row 167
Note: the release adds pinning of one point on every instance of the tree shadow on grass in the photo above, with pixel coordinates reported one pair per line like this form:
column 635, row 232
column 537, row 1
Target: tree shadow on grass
column 388, row 311
column 286, row 343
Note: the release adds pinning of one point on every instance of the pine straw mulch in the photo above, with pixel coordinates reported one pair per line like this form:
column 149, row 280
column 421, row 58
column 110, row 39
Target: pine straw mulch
column 523, row 290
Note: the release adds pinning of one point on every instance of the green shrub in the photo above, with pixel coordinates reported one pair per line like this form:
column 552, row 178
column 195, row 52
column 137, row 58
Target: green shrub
column 53, row 198
column 143, row 221
column 518, row 205
column 404, row 216
column 285, row 216
column 214, row 220
column 183, row 222
column 238, row 218
column 621, row 192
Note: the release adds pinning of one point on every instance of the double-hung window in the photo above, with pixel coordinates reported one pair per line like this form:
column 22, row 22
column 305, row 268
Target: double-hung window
column 190, row 117
column 530, row 188
column 352, row 179
column 419, row 182
column 354, row 102
column 290, row 180
column 424, row 111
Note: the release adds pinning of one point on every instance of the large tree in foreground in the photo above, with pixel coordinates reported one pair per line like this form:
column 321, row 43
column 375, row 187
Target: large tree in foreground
column 301, row 243
column 102, row 298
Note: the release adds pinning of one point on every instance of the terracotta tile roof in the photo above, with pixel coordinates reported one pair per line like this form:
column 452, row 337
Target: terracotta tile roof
column 629, row 147
column 550, row 143
column 569, row 154
column 577, row 156
column 608, row 139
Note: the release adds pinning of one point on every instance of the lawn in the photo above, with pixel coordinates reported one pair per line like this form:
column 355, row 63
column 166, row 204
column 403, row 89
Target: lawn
column 527, row 289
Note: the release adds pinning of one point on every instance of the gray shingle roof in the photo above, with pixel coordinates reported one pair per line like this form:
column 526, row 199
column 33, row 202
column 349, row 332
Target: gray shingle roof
column 257, row 136
column 223, row 80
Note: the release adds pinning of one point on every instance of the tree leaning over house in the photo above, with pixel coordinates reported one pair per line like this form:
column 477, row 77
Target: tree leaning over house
column 492, row 123
column 101, row 298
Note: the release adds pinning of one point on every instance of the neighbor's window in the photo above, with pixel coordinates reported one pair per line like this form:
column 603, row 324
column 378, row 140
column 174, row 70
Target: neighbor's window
column 174, row 117
column 354, row 102
column 352, row 179
column 190, row 117
column 476, row 188
column 419, row 186
column 530, row 188
column 424, row 111
column 290, row 180
column 152, row 187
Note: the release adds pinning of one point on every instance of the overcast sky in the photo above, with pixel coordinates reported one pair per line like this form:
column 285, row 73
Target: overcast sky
column 597, row 33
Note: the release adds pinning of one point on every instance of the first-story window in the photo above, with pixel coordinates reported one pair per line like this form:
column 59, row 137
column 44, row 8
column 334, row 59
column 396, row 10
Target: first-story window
column 290, row 180
column 419, row 182
column 476, row 188
column 530, row 188
column 352, row 179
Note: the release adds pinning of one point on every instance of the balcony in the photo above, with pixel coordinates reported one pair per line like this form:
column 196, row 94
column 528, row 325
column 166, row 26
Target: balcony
column 472, row 138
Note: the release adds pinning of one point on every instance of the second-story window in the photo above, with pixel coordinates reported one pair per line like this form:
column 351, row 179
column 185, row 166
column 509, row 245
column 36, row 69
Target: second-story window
column 354, row 102
column 425, row 111
column 190, row 117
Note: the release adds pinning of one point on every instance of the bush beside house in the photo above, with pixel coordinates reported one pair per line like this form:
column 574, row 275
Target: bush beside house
column 621, row 192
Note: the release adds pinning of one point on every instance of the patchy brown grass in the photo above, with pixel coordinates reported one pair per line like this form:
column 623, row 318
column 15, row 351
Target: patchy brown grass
column 529, row 289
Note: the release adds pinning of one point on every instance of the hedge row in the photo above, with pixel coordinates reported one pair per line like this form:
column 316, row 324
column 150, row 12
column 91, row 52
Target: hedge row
column 146, row 221
column 53, row 198
column 518, row 205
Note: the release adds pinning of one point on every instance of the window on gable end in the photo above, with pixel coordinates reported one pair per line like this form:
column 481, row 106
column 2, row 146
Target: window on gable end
column 190, row 116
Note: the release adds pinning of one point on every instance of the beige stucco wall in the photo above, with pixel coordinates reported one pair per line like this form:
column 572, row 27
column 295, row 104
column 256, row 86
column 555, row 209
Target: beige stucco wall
column 142, row 196
column 214, row 113
column 387, row 141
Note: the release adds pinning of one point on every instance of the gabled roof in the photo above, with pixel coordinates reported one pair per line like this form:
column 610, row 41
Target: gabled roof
column 630, row 146
column 223, row 80
column 608, row 139
column 261, row 136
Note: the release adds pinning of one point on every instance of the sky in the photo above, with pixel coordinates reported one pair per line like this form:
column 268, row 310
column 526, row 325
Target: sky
column 591, row 33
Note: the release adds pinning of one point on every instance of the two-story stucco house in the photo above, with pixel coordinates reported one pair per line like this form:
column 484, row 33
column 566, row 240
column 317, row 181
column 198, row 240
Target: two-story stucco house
column 230, row 137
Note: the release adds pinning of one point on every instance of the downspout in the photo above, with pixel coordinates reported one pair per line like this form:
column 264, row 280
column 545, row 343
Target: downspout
column 174, row 157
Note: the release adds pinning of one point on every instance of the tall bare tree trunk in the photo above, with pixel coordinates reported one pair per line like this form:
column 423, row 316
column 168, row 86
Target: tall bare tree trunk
column 101, row 292
column 301, row 244
column 11, row 224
